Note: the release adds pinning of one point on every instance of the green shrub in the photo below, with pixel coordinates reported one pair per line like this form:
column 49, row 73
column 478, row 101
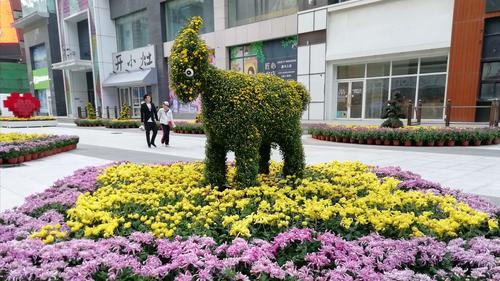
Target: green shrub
column 124, row 112
column 90, row 111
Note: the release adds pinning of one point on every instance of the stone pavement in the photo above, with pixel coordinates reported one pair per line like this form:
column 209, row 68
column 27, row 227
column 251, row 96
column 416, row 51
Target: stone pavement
column 472, row 169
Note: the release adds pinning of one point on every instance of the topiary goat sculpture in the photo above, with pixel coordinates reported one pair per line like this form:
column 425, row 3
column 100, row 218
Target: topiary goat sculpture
column 246, row 114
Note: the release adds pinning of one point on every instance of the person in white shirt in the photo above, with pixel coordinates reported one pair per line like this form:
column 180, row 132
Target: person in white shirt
column 166, row 122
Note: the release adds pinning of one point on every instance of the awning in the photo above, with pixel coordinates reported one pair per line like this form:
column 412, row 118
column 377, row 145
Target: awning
column 73, row 65
column 135, row 78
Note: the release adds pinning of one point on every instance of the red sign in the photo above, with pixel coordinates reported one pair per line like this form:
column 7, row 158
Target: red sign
column 23, row 106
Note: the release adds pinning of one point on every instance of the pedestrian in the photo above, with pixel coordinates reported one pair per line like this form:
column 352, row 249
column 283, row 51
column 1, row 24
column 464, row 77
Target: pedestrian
column 149, row 117
column 166, row 122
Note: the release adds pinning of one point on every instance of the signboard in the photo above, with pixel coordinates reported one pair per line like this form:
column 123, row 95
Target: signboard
column 41, row 78
column 133, row 60
column 277, row 57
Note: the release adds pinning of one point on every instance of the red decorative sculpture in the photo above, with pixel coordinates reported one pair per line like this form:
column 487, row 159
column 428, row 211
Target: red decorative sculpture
column 22, row 106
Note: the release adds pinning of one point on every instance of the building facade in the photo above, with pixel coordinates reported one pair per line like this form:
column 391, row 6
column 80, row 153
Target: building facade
column 355, row 55
column 41, row 45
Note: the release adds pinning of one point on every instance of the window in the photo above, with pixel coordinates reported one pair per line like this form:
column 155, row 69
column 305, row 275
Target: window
column 242, row 12
column 38, row 56
column 433, row 65
column 178, row 12
column 431, row 92
column 379, row 69
column 244, row 59
column 132, row 31
column 351, row 71
column 490, row 76
column 377, row 94
column 492, row 5
column 404, row 67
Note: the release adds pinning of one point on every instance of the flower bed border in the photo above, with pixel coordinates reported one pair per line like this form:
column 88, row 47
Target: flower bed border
column 27, row 153
column 122, row 124
column 189, row 128
column 407, row 136
column 28, row 124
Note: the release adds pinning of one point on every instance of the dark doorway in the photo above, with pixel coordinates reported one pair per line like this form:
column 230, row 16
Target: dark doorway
column 83, row 39
column 90, row 87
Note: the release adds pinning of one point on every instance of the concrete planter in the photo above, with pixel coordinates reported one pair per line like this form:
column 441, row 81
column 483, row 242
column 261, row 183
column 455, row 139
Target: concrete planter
column 28, row 124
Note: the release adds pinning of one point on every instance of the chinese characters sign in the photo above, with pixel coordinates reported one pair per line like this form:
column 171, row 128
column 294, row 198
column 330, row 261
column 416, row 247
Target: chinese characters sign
column 133, row 60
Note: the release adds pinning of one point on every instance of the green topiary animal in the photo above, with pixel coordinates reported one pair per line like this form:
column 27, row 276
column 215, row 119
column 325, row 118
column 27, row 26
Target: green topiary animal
column 241, row 113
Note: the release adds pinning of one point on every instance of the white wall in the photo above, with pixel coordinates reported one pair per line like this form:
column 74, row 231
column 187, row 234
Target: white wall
column 386, row 27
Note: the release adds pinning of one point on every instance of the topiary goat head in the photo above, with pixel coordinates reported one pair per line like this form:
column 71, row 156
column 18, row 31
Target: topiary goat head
column 189, row 62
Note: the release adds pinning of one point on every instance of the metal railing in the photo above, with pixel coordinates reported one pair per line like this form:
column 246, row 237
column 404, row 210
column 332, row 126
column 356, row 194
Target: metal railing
column 493, row 117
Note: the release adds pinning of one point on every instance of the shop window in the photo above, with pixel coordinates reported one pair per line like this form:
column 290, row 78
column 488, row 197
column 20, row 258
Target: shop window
column 490, row 76
column 377, row 94
column 492, row 5
column 431, row 90
column 178, row 12
column 406, row 87
column 405, row 67
column 38, row 56
column 433, row 65
column 378, row 69
column 242, row 12
column 351, row 71
column 132, row 31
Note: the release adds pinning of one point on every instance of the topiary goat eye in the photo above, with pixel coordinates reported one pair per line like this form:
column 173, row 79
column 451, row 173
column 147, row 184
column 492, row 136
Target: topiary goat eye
column 189, row 72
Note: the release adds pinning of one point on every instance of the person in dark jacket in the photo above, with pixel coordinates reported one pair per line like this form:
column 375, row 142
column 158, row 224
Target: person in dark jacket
column 149, row 117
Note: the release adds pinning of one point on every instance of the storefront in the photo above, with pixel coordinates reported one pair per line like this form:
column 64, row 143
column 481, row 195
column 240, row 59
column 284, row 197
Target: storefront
column 134, row 75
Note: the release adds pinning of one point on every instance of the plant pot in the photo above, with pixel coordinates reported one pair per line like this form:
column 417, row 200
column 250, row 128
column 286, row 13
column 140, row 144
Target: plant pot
column 361, row 141
column 378, row 141
column 20, row 159
column 1, row 161
column 430, row 143
column 477, row 142
column 387, row 142
column 12, row 160
column 396, row 142
column 369, row 141
column 34, row 156
column 27, row 157
column 408, row 143
column 352, row 140
column 465, row 143
column 440, row 143
column 497, row 141
column 346, row 140
column 419, row 143
column 338, row 139
column 451, row 143
column 489, row 142
column 73, row 146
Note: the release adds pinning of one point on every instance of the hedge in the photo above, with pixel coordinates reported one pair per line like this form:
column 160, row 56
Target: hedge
column 188, row 128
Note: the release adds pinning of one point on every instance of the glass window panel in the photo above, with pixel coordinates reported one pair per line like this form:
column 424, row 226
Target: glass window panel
column 492, row 26
column 237, row 65
column 41, row 95
column 405, row 67
column 377, row 94
column 490, row 91
column 242, row 12
column 492, row 5
column 406, row 86
column 433, row 65
column 431, row 93
column 236, row 52
column 491, row 71
column 251, row 65
column 379, row 69
column 178, row 12
column 491, row 47
column 38, row 56
column 343, row 91
column 132, row 31
column 351, row 71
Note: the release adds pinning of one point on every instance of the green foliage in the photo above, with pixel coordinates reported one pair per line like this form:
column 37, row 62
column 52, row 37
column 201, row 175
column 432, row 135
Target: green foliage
column 126, row 123
column 258, row 48
column 392, row 111
column 241, row 113
column 90, row 111
column 124, row 112
column 89, row 122
column 188, row 128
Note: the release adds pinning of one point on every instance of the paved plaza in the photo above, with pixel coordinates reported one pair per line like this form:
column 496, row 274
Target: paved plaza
column 471, row 169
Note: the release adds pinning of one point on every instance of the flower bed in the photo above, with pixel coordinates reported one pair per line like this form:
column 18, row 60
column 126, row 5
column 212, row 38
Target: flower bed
column 408, row 136
column 342, row 221
column 120, row 124
column 18, row 148
column 188, row 128
column 90, row 122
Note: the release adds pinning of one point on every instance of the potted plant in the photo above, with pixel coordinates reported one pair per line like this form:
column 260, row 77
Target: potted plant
column 377, row 136
column 369, row 136
column 450, row 137
column 397, row 135
column 464, row 137
column 407, row 138
column 419, row 137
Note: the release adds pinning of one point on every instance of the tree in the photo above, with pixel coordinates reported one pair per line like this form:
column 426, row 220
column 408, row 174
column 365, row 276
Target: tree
column 392, row 111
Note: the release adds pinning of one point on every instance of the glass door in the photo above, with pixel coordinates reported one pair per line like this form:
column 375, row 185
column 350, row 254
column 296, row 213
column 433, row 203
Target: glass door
column 350, row 99
column 124, row 96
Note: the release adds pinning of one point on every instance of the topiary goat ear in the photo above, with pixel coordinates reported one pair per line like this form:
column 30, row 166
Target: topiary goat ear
column 195, row 24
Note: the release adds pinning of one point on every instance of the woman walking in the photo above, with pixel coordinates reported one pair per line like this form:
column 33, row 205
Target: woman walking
column 166, row 121
column 149, row 118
